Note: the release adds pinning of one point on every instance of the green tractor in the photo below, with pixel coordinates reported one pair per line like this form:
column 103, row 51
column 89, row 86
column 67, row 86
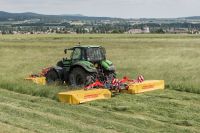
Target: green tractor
column 85, row 65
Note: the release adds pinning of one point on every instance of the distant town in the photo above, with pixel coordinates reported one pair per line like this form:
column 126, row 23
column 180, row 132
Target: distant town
column 31, row 23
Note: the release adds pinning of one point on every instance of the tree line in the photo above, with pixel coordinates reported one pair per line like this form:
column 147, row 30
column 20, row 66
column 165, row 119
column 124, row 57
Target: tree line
column 94, row 28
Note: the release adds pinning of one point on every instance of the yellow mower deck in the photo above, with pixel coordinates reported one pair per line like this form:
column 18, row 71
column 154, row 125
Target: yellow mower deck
column 81, row 96
column 145, row 86
column 37, row 80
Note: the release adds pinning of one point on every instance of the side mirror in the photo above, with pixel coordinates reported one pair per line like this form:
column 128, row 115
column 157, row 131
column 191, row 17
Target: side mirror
column 65, row 51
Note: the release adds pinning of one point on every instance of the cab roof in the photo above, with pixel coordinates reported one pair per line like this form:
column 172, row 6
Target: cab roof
column 85, row 46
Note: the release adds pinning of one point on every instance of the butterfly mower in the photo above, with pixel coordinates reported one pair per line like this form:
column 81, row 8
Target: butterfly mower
column 95, row 77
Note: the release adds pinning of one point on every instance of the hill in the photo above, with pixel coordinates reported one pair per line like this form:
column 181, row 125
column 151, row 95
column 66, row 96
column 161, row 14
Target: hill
column 42, row 18
column 193, row 17
column 6, row 16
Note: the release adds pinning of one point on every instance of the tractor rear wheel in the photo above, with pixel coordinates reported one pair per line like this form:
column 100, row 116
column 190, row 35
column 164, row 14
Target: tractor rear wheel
column 78, row 77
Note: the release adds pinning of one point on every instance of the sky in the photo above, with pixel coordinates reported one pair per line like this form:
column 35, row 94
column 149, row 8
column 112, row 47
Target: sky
column 107, row 8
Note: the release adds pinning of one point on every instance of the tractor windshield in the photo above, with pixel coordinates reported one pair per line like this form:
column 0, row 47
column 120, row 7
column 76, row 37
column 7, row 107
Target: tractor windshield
column 95, row 54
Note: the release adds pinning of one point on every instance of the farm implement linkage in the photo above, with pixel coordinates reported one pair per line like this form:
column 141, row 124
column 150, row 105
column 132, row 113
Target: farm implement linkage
column 94, row 75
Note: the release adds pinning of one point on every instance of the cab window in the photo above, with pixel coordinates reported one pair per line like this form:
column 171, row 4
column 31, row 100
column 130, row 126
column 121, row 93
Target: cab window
column 76, row 54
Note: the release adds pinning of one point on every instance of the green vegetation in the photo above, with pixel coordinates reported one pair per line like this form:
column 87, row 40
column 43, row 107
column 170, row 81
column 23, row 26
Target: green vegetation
column 26, row 107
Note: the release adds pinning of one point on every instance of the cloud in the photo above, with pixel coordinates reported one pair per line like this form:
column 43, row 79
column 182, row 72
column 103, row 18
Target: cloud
column 113, row 8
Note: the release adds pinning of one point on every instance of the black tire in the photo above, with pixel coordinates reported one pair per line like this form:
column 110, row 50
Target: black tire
column 78, row 77
column 60, row 63
column 52, row 77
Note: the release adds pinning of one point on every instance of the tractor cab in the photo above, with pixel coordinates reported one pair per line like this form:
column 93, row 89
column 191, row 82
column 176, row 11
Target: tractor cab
column 86, row 53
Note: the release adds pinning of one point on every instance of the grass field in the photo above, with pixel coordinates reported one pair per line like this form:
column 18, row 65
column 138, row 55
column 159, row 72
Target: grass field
column 26, row 107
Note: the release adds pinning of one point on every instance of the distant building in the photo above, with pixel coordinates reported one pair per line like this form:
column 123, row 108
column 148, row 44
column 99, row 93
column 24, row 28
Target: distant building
column 178, row 30
column 106, row 21
column 135, row 31
column 195, row 31
column 88, row 29
column 15, row 32
column 138, row 31
column 146, row 29
column 76, row 23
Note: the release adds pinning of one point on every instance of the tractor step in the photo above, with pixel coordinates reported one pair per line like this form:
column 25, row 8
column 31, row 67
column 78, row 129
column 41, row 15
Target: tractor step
column 145, row 86
column 81, row 96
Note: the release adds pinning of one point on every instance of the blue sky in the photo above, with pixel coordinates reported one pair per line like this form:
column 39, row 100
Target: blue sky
column 111, row 8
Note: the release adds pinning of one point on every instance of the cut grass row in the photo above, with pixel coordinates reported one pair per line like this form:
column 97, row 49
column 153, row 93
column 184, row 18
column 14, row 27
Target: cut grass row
column 170, row 111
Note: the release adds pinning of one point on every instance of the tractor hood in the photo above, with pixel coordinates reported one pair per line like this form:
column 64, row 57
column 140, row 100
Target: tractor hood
column 108, row 65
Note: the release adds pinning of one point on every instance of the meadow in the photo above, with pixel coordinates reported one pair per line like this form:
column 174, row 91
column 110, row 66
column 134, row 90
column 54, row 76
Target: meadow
column 27, row 107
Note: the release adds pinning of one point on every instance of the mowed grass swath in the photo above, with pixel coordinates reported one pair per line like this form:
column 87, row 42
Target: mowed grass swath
column 173, row 58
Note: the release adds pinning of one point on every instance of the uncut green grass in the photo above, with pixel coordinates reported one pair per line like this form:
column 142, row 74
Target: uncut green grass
column 173, row 58
column 27, row 107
